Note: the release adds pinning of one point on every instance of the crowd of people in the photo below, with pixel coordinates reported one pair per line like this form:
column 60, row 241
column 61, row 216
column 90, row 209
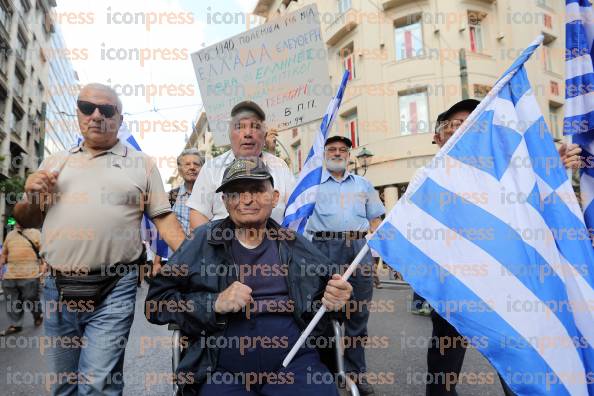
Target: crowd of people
column 232, row 271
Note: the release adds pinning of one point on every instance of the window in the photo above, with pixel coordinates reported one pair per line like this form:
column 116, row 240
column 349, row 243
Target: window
column 554, row 120
column 548, row 21
column 21, row 48
column 26, row 5
column 409, row 40
column 547, row 58
column 19, row 84
column 4, row 50
column 5, row 17
column 348, row 60
column 480, row 91
column 14, row 121
column 351, row 129
column 344, row 6
column 545, row 3
column 475, row 29
column 414, row 113
column 554, row 88
column 297, row 157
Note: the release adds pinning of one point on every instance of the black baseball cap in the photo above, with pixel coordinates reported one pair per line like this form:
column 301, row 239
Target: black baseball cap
column 245, row 169
column 463, row 105
column 248, row 105
column 338, row 138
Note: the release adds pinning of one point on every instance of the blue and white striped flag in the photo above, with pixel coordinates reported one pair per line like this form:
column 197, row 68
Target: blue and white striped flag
column 491, row 234
column 579, row 93
column 302, row 201
column 148, row 230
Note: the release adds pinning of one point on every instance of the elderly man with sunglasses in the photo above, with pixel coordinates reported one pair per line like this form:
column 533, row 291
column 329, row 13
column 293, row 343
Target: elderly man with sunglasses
column 248, row 136
column 90, row 201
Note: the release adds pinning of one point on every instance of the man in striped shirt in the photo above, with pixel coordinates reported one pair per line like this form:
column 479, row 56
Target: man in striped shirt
column 189, row 164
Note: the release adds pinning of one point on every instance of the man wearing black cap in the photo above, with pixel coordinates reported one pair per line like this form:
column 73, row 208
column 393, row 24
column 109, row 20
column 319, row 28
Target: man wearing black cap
column 248, row 135
column 245, row 289
column 347, row 207
column 444, row 363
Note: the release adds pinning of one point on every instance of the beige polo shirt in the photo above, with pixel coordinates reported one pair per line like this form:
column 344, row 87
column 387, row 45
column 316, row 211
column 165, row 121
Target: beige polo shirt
column 21, row 261
column 95, row 217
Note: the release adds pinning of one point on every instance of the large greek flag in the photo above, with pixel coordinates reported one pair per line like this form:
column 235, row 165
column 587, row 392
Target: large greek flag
column 579, row 93
column 148, row 229
column 491, row 234
column 302, row 201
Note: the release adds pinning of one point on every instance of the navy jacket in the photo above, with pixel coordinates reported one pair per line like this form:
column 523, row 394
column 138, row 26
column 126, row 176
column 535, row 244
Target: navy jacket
column 185, row 291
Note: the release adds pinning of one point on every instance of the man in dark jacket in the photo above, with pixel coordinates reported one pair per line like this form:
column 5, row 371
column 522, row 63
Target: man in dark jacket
column 242, row 290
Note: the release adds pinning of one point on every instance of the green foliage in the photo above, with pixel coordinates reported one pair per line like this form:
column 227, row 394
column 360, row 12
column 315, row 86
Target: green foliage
column 216, row 151
column 13, row 185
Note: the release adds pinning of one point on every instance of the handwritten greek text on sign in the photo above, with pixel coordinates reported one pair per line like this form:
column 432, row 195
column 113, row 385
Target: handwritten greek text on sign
column 281, row 65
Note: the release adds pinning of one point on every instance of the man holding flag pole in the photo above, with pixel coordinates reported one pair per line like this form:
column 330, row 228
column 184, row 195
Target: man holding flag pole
column 579, row 94
column 516, row 301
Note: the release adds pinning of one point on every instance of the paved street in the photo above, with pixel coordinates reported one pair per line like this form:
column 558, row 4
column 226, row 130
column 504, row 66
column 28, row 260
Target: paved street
column 148, row 355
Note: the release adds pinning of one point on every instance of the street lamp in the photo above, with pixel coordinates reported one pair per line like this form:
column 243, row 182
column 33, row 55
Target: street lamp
column 363, row 159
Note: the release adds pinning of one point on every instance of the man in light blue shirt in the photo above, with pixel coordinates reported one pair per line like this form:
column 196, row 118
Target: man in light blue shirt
column 347, row 207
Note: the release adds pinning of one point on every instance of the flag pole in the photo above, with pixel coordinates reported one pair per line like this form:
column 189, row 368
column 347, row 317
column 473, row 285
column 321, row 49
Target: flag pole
column 347, row 274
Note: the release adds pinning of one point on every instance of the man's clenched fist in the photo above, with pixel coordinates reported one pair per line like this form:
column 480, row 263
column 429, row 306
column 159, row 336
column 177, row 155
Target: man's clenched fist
column 337, row 293
column 570, row 154
column 41, row 182
column 234, row 298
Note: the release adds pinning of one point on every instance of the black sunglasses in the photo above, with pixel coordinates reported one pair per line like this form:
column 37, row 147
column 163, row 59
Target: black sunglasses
column 88, row 108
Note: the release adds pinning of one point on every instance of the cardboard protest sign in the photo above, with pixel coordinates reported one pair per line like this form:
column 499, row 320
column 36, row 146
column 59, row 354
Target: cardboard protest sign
column 281, row 65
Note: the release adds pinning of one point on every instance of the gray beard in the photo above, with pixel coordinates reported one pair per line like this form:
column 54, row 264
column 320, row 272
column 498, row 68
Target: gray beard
column 336, row 166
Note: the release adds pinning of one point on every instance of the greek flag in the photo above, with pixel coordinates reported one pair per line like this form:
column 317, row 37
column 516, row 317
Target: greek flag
column 491, row 234
column 302, row 201
column 579, row 93
column 148, row 229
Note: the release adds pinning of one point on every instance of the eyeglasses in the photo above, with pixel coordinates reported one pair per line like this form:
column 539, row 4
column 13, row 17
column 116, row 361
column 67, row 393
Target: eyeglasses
column 88, row 108
column 341, row 150
column 243, row 196
column 449, row 125
column 257, row 126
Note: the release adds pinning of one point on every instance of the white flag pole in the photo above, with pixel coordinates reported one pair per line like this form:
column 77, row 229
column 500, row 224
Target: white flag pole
column 323, row 310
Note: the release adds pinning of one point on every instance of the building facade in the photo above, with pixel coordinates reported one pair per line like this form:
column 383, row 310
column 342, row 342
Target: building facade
column 26, row 28
column 411, row 60
column 61, row 125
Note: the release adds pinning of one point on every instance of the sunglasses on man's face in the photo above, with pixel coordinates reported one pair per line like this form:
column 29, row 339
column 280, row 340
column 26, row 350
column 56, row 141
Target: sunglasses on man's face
column 88, row 108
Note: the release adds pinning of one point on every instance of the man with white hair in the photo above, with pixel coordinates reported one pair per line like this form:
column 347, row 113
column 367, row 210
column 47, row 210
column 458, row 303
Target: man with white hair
column 347, row 208
column 247, row 133
column 90, row 201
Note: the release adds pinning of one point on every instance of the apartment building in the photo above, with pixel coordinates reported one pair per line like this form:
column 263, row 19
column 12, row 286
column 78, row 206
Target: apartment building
column 411, row 60
column 61, row 125
column 26, row 27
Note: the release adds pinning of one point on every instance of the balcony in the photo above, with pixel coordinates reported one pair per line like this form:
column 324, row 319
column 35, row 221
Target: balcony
column 342, row 25
column 20, row 62
column 387, row 4
column 549, row 27
column 4, row 30
column 17, row 98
